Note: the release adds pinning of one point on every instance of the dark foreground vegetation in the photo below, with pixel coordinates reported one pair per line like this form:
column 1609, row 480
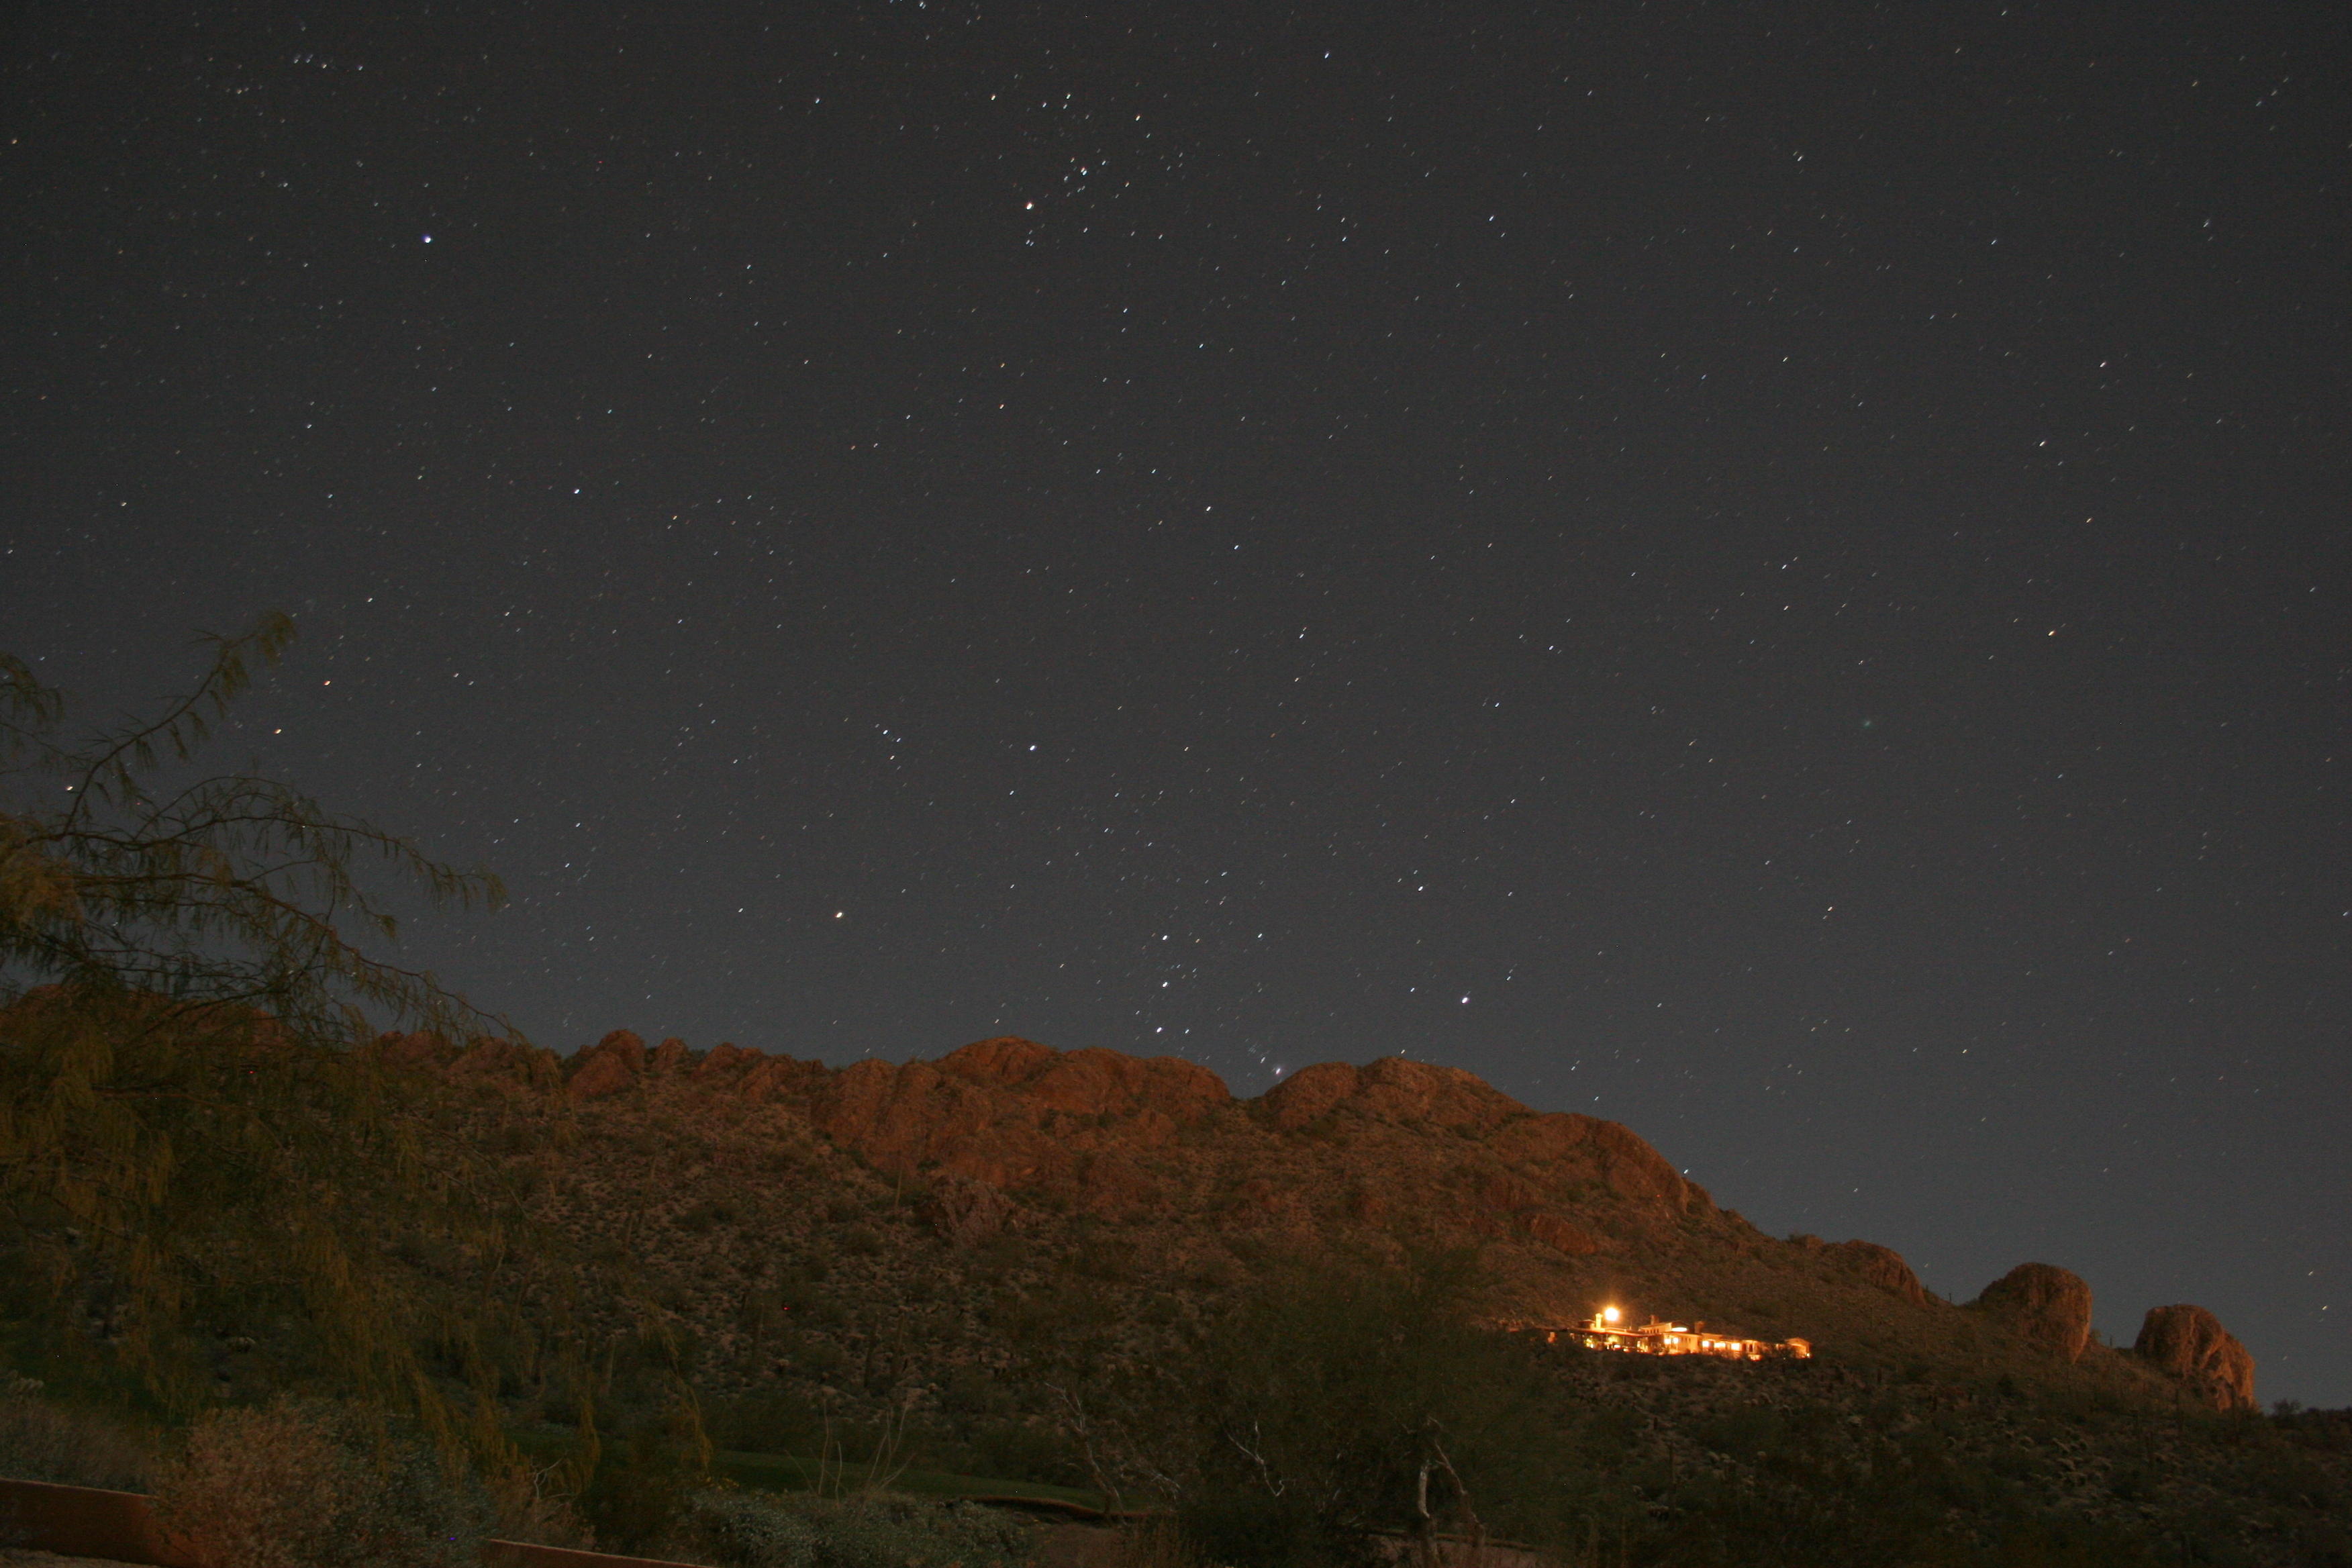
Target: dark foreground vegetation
column 1313, row 1427
column 336, row 1304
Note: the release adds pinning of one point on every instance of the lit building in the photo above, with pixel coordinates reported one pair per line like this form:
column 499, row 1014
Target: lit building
column 1607, row 1332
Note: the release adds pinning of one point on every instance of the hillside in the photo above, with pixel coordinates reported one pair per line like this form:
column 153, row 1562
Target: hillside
column 1150, row 1178
column 955, row 1257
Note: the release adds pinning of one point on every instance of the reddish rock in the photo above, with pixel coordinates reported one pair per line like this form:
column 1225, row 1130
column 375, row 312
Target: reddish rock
column 1113, row 1184
column 1582, row 1148
column 1305, row 1095
column 1555, row 1138
column 2191, row 1343
column 614, row 1064
column 671, row 1056
column 965, row 1211
column 1883, row 1267
column 1508, row 1194
column 1411, row 1093
column 411, row 1049
column 1002, row 1062
column 1632, row 1169
column 727, row 1057
column 1398, row 1088
column 766, row 1076
column 1095, row 1082
column 1011, row 1111
column 627, row 1045
column 2044, row 1304
column 1262, row 1201
column 509, row 1061
column 1392, row 1088
column 1562, row 1233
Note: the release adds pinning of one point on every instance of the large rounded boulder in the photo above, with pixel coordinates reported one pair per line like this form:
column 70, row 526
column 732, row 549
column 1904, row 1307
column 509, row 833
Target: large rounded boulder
column 2041, row 1304
column 2191, row 1343
column 1883, row 1267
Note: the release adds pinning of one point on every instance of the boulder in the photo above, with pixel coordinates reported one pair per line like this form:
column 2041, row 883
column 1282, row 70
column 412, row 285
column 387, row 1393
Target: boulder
column 612, row 1065
column 508, row 1061
column 2191, row 1343
column 2044, row 1305
column 767, row 1076
column 1508, row 1194
column 1305, row 1095
column 1413, row 1094
column 964, row 1211
column 1002, row 1062
column 1392, row 1088
column 1632, row 1169
column 726, row 1057
column 1398, row 1088
column 1095, row 1082
column 1561, row 1234
column 409, row 1050
column 671, row 1056
column 1883, row 1267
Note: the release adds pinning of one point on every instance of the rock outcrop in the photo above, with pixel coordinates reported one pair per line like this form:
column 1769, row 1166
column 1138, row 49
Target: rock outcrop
column 617, row 1062
column 1015, row 1114
column 1393, row 1141
column 1883, row 1267
column 2191, row 1343
column 510, row 1062
column 1405, row 1093
column 2044, row 1305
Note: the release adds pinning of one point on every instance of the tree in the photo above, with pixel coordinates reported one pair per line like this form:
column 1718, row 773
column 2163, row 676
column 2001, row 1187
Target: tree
column 195, row 1147
column 229, row 891
column 1361, row 1396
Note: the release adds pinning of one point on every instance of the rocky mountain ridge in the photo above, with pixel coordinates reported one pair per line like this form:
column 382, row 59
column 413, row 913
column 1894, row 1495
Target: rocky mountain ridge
column 1155, row 1162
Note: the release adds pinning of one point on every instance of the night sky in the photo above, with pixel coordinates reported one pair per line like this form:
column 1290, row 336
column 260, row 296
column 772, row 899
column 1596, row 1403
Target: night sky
column 1774, row 573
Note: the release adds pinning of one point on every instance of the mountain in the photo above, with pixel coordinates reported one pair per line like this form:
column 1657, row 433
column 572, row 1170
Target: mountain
column 952, row 1253
column 1166, row 1182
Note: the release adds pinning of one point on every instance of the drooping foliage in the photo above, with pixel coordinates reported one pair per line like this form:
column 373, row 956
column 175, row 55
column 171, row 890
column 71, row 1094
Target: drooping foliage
column 199, row 1158
column 116, row 875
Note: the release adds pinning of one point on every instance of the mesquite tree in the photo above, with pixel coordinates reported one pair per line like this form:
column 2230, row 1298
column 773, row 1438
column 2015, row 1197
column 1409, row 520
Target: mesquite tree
column 195, row 1146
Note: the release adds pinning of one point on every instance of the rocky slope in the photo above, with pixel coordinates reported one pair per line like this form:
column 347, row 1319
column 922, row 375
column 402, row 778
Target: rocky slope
column 1149, row 1175
column 956, row 1251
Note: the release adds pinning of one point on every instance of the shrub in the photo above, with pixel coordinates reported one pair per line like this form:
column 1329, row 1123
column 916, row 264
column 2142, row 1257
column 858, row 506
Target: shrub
column 642, row 1479
column 754, row 1530
column 1337, row 1401
column 301, row 1485
column 41, row 1440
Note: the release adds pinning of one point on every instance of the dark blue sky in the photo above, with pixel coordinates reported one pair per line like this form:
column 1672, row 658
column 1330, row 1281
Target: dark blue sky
column 1774, row 574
